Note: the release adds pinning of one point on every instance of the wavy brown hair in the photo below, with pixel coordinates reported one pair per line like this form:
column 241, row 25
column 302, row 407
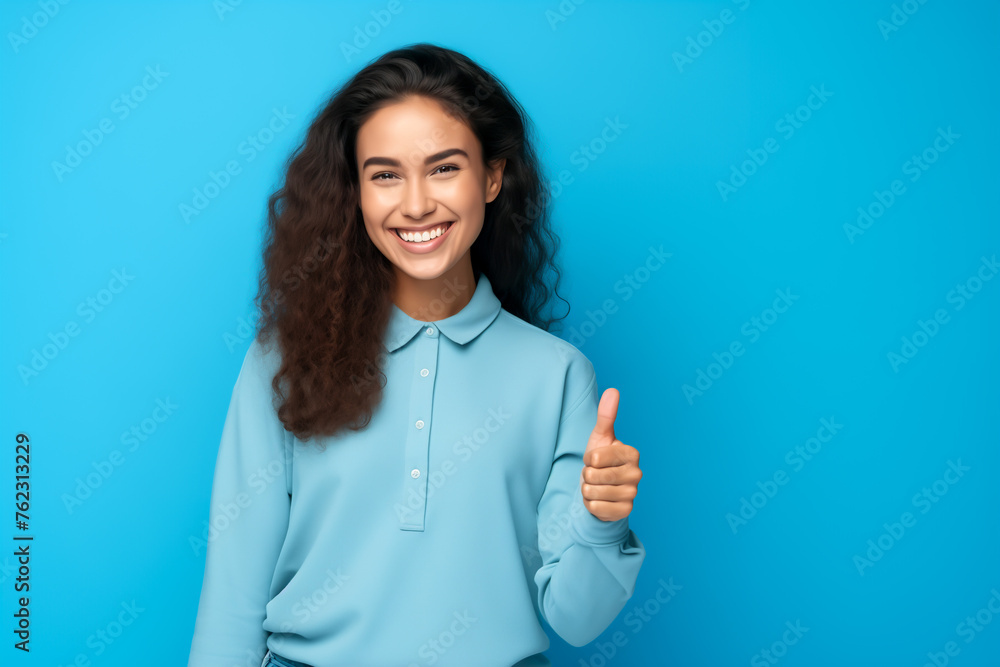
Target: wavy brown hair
column 324, row 287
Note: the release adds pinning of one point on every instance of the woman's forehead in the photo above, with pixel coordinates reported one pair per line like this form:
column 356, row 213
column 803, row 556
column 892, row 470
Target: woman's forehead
column 416, row 126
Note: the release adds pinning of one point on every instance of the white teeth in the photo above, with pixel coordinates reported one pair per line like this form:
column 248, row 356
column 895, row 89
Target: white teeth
column 419, row 237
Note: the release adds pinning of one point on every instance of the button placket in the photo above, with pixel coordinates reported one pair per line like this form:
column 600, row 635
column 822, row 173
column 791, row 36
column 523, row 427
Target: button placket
column 417, row 455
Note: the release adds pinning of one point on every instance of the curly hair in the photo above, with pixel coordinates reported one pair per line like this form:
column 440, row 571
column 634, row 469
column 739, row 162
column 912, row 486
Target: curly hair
column 325, row 288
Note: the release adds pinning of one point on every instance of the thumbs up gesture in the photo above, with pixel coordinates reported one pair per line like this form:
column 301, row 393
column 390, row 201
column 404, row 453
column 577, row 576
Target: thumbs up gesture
column 610, row 476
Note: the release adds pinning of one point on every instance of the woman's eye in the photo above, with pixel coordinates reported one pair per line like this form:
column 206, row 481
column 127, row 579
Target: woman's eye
column 390, row 176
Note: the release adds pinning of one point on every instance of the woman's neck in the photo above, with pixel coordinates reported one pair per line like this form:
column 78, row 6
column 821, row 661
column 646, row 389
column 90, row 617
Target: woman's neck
column 436, row 298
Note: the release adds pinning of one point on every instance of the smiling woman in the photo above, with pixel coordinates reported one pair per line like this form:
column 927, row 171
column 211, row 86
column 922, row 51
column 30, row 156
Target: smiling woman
column 425, row 214
column 419, row 339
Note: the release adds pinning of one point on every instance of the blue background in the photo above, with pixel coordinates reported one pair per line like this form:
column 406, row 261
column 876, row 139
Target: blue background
column 174, row 332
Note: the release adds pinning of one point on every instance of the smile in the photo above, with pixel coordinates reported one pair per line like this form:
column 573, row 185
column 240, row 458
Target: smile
column 426, row 236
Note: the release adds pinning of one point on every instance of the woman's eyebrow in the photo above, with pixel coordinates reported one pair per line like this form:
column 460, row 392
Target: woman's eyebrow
column 390, row 162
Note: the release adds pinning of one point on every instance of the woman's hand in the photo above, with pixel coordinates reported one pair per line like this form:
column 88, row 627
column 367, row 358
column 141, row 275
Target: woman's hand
column 610, row 476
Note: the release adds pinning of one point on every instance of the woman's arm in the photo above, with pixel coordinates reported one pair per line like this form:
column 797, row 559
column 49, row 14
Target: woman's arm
column 248, row 521
column 589, row 566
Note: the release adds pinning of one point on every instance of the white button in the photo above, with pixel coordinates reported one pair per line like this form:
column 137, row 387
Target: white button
column 414, row 473
column 420, row 423
column 430, row 331
column 423, row 372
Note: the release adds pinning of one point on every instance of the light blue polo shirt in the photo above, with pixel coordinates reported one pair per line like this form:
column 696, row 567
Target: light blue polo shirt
column 438, row 533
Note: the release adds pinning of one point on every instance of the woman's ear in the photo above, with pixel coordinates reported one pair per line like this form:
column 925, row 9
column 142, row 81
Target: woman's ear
column 494, row 178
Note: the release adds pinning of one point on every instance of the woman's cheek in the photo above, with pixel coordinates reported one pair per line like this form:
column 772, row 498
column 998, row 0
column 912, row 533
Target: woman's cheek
column 380, row 199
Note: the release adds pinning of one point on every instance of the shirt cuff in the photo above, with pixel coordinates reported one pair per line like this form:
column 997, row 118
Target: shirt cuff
column 590, row 531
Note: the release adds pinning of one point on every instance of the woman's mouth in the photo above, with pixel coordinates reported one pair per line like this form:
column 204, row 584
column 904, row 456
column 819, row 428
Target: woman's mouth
column 424, row 237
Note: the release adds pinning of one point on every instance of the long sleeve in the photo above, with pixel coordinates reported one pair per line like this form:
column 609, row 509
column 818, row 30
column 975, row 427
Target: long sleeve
column 589, row 566
column 248, row 521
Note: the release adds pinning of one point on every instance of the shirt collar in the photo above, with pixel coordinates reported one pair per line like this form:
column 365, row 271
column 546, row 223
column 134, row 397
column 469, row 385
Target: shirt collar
column 461, row 327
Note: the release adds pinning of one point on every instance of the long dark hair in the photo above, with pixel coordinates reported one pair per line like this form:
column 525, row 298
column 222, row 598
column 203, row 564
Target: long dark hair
column 325, row 288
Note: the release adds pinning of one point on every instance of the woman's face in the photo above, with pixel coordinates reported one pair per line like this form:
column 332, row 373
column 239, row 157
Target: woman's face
column 421, row 169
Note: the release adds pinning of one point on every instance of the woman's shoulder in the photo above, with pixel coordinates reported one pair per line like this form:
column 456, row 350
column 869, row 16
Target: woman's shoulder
column 261, row 361
column 540, row 346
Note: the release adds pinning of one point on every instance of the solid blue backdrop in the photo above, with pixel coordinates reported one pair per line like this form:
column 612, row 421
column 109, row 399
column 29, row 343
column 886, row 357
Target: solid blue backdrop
column 810, row 373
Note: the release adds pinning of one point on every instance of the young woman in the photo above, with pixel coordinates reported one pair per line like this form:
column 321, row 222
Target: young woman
column 413, row 469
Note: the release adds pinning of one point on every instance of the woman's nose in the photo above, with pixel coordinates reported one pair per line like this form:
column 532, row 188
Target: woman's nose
column 417, row 201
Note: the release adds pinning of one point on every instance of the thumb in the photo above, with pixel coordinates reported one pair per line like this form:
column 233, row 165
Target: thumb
column 604, row 431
